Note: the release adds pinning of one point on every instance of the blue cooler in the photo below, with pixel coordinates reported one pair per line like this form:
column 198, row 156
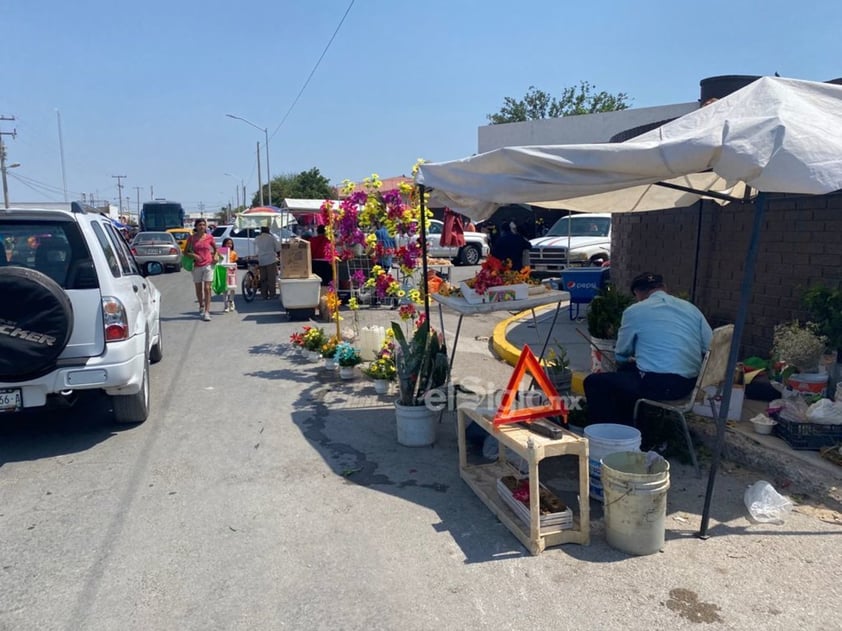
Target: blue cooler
column 584, row 284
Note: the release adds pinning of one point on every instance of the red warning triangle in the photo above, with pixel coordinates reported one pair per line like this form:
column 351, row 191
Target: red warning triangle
column 555, row 407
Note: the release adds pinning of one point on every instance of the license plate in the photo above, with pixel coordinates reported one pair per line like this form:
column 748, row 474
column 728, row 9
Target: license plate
column 10, row 400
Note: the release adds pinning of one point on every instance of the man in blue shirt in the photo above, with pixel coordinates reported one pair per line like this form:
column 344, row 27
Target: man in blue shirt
column 660, row 346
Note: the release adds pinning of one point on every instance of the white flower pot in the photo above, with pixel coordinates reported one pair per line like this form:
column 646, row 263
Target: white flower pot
column 381, row 386
column 416, row 425
column 329, row 363
column 346, row 372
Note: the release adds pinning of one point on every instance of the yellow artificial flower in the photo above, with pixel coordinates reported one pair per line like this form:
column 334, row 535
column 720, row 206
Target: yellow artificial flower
column 353, row 304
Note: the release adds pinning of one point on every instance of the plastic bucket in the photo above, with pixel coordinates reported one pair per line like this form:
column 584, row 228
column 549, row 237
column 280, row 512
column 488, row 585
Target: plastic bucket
column 605, row 439
column 635, row 501
column 602, row 355
column 808, row 383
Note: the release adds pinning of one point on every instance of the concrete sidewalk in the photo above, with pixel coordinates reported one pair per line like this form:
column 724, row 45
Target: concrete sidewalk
column 802, row 471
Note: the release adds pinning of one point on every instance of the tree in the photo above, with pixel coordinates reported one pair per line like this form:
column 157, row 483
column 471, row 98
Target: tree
column 537, row 104
column 305, row 185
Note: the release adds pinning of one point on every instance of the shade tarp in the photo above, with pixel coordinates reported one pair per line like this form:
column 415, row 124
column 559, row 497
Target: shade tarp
column 775, row 135
column 270, row 216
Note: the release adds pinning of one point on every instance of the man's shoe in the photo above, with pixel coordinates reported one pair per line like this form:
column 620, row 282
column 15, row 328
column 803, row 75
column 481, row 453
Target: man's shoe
column 206, row 316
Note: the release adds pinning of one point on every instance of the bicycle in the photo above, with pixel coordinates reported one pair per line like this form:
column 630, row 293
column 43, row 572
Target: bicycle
column 251, row 281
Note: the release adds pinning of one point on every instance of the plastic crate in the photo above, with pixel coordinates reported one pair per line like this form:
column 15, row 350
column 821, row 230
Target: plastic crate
column 807, row 436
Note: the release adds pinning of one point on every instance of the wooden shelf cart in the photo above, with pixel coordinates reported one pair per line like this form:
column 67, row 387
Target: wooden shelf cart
column 532, row 448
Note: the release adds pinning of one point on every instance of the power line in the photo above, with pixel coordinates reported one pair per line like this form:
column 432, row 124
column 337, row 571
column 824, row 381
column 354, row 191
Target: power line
column 313, row 71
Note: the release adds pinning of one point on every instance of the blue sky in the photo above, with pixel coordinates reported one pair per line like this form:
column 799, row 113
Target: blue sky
column 143, row 88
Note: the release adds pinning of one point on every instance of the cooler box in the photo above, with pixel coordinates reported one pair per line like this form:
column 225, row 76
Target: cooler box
column 583, row 283
column 300, row 293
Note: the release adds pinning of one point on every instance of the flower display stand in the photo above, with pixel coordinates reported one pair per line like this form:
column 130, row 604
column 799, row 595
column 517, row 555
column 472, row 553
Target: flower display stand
column 532, row 448
column 501, row 293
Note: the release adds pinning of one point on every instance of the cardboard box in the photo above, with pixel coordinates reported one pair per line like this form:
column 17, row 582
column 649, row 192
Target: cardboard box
column 295, row 259
column 735, row 407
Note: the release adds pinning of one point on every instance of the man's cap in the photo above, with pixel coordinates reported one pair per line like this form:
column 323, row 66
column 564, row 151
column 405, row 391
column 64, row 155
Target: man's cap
column 646, row 281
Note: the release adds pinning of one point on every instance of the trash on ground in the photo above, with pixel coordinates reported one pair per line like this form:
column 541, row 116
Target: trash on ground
column 765, row 504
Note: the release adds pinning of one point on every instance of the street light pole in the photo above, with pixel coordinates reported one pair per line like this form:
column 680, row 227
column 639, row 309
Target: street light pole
column 265, row 131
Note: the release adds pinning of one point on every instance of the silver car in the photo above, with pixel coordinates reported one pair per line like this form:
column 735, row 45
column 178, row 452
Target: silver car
column 157, row 246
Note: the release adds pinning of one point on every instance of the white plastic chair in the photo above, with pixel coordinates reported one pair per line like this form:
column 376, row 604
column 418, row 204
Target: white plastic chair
column 708, row 386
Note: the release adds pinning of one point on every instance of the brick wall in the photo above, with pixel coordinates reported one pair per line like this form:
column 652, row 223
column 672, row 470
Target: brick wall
column 800, row 245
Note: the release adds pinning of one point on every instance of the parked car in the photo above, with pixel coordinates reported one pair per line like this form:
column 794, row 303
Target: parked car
column 77, row 312
column 476, row 245
column 573, row 241
column 244, row 239
column 180, row 235
column 157, row 246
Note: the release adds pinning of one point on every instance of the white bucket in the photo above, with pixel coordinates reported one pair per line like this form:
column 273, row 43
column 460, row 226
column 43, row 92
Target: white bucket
column 635, row 501
column 809, row 383
column 604, row 439
column 602, row 355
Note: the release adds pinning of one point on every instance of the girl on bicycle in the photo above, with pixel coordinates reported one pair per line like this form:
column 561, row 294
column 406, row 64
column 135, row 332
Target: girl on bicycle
column 230, row 262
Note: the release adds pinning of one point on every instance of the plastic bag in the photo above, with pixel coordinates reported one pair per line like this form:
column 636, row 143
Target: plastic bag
column 187, row 262
column 826, row 412
column 765, row 504
column 219, row 285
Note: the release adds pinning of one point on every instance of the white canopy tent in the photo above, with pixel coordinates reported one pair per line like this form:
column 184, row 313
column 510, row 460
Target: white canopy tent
column 774, row 135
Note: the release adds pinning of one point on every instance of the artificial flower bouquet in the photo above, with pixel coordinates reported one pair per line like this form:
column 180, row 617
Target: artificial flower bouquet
column 347, row 355
column 381, row 368
column 314, row 337
column 328, row 349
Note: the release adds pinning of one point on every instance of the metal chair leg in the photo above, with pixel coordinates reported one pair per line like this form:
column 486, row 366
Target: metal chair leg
column 689, row 440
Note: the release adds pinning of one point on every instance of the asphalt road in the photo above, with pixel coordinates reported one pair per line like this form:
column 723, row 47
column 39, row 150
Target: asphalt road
column 264, row 494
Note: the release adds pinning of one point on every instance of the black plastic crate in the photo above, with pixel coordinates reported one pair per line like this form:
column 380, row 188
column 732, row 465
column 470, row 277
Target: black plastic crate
column 807, row 436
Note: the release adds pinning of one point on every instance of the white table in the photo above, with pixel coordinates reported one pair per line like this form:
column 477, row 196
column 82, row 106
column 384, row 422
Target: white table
column 463, row 308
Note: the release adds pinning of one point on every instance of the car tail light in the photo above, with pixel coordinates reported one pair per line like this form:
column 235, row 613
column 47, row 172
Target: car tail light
column 114, row 320
column 134, row 251
column 174, row 250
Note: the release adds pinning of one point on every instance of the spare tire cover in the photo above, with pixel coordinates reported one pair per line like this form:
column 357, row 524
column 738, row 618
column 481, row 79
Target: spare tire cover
column 36, row 320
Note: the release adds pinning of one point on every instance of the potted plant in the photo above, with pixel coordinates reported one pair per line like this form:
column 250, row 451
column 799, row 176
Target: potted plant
column 605, row 313
column 825, row 308
column 314, row 337
column 799, row 346
column 421, row 367
column 557, row 366
column 382, row 370
column 328, row 352
column 347, row 356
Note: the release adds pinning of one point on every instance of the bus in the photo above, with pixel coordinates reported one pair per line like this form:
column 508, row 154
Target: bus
column 159, row 215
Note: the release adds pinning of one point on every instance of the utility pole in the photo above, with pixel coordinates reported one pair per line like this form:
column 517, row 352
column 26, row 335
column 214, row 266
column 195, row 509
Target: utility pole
column 120, row 179
column 137, row 191
column 3, row 166
column 259, row 182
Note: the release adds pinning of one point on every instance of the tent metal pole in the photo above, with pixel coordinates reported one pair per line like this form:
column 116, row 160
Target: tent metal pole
column 423, row 222
column 739, row 325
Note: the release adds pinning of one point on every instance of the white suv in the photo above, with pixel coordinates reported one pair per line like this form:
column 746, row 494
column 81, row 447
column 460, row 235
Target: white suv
column 244, row 239
column 77, row 311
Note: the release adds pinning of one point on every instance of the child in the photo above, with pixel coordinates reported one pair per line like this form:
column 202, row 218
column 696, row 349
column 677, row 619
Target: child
column 230, row 262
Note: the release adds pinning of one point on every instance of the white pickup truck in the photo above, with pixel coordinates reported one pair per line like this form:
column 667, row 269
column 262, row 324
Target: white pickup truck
column 573, row 241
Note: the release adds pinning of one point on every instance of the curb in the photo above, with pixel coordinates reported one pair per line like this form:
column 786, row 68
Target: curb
column 510, row 353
